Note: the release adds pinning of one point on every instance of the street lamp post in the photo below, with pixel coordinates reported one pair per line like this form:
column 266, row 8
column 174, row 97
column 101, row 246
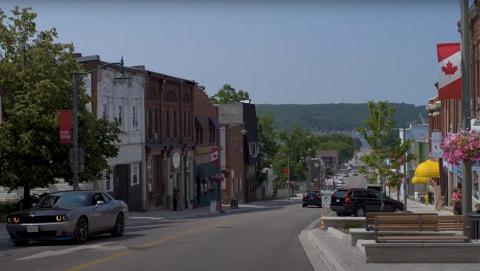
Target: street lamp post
column 466, row 166
column 77, row 76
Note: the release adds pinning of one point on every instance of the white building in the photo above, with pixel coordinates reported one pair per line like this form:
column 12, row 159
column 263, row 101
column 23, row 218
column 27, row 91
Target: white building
column 122, row 101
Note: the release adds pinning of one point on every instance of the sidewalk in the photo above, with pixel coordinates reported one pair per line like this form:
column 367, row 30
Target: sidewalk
column 417, row 207
column 332, row 251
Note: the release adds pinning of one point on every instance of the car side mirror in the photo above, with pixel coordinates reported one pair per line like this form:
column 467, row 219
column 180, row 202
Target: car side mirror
column 100, row 202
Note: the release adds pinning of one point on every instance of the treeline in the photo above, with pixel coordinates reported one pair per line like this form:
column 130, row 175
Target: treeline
column 335, row 117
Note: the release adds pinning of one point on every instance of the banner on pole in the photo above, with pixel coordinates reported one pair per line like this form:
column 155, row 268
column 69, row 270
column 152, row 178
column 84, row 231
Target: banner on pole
column 437, row 151
column 65, row 127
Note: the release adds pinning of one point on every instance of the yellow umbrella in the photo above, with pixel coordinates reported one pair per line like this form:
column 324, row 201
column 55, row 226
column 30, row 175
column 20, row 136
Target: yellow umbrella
column 429, row 169
column 420, row 180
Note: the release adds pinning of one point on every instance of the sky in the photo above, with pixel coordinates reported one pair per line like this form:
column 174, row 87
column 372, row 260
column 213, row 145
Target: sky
column 281, row 52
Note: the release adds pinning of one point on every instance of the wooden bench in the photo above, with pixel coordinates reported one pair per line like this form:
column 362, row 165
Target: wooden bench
column 419, row 223
column 370, row 217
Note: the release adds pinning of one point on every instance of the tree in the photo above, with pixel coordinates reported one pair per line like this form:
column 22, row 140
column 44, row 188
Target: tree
column 36, row 75
column 269, row 145
column 228, row 94
column 384, row 159
column 296, row 145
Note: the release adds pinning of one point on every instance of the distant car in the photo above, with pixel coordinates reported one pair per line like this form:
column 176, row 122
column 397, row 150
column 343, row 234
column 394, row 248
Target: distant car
column 361, row 201
column 68, row 215
column 355, row 174
column 337, row 201
column 345, row 175
column 312, row 198
column 340, row 181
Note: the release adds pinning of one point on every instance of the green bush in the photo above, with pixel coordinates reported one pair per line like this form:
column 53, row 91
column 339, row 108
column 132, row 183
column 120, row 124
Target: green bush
column 6, row 208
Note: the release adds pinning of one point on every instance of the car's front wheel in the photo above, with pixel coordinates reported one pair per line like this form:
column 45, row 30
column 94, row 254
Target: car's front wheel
column 304, row 205
column 80, row 234
column 119, row 227
column 397, row 210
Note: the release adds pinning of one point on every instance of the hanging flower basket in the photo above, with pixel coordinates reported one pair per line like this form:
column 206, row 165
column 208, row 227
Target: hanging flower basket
column 463, row 146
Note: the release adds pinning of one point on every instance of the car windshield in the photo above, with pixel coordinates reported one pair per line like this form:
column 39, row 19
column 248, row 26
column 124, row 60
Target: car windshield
column 71, row 199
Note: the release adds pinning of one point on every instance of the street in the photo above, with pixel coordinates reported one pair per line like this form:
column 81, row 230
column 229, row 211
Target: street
column 261, row 239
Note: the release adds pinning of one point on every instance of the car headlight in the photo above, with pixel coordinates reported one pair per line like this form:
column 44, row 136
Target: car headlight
column 61, row 218
column 13, row 219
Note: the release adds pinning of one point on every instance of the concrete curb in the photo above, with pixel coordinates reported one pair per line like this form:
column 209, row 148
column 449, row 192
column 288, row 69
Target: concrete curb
column 320, row 257
column 338, row 234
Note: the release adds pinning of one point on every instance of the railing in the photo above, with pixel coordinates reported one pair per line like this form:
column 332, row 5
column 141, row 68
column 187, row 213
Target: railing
column 474, row 226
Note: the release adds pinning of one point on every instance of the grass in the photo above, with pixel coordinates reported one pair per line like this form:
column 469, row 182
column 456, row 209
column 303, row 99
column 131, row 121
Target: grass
column 6, row 208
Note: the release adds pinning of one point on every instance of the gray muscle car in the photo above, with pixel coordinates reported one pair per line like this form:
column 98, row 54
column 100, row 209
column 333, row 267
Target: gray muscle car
column 68, row 215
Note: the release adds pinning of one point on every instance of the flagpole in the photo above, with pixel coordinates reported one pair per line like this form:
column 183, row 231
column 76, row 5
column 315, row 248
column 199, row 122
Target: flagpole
column 466, row 167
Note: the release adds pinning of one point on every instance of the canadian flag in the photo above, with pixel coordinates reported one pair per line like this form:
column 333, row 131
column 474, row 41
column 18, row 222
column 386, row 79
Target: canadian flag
column 450, row 81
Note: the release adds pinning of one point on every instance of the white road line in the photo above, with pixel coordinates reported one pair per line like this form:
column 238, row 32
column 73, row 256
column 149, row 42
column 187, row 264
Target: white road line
column 50, row 253
column 146, row 217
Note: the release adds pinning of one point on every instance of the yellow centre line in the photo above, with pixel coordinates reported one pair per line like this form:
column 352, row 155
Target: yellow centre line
column 144, row 246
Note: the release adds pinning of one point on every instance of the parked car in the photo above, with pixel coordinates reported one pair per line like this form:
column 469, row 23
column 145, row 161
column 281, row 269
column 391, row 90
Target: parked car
column 312, row 198
column 337, row 201
column 345, row 174
column 361, row 201
column 68, row 215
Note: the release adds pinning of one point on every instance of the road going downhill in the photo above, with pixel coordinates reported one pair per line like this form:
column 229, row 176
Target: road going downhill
column 264, row 238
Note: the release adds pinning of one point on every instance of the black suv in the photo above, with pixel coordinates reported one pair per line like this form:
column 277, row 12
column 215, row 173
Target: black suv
column 361, row 201
column 337, row 203
column 312, row 198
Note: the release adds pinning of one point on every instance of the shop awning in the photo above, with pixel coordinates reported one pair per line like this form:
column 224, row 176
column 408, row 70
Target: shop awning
column 212, row 122
column 201, row 121
column 428, row 169
column 420, row 180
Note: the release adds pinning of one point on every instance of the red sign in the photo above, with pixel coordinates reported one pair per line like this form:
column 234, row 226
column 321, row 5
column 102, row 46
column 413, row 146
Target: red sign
column 285, row 170
column 65, row 125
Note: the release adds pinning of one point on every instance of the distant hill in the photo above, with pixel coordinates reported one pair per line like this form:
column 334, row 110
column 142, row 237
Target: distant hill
column 336, row 117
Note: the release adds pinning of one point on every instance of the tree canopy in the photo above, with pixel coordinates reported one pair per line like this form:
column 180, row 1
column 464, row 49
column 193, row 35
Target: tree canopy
column 36, row 76
column 386, row 154
column 228, row 94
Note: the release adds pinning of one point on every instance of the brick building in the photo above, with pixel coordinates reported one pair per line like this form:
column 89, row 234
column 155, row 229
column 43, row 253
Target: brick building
column 232, row 141
column 240, row 132
column 169, row 140
column 207, row 165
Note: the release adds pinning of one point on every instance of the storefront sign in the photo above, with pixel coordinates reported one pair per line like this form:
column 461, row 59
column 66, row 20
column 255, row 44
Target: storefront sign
column 65, row 125
column 436, row 142
column 176, row 160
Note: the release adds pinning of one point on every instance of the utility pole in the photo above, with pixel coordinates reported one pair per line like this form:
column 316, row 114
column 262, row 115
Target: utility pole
column 288, row 178
column 466, row 166
column 405, row 183
column 76, row 77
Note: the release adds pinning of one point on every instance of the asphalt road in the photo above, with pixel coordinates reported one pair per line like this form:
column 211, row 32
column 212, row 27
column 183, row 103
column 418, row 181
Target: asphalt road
column 265, row 238
column 352, row 181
